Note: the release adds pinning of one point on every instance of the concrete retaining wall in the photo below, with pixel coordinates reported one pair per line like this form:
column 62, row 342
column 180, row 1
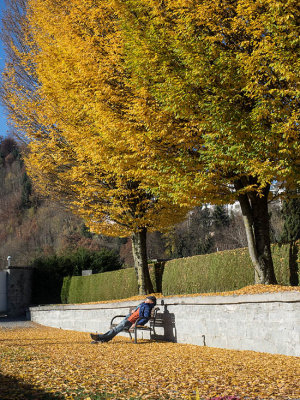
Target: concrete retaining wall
column 267, row 322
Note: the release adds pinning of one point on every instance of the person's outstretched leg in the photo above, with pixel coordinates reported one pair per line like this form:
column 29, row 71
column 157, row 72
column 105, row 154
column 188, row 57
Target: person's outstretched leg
column 106, row 337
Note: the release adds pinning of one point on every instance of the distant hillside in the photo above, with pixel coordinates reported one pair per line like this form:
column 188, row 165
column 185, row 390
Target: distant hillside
column 31, row 226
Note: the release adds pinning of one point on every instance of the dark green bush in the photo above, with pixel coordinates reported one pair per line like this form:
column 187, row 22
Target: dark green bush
column 49, row 271
column 47, row 281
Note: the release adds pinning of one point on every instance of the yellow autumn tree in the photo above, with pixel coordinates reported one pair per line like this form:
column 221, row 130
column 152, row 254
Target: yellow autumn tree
column 221, row 83
column 73, row 115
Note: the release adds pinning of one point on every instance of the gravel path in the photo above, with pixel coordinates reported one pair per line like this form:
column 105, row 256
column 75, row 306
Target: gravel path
column 12, row 323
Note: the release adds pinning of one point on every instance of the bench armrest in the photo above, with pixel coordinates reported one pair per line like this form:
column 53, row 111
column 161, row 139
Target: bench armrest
column 116, row 316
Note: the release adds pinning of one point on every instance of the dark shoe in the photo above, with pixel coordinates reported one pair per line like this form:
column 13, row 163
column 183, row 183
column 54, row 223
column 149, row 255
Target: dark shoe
column 95, row 337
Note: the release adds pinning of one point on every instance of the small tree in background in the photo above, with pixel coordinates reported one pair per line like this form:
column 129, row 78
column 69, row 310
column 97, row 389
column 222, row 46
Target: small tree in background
column 220, row 216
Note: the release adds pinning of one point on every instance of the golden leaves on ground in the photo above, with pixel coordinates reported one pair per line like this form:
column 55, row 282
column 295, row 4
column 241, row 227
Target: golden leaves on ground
column 54, row 360
column 251, row 289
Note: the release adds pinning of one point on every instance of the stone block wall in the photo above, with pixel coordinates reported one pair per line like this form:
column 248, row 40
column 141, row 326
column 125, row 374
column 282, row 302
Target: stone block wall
column 19, row 280
column 267, row 322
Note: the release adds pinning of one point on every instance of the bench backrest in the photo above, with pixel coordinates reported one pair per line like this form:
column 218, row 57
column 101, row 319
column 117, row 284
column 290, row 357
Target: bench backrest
column 164, row 319
column 153, row 311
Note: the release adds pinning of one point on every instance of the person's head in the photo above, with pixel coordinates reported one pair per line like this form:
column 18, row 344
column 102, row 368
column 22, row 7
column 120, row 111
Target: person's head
column 151, row 300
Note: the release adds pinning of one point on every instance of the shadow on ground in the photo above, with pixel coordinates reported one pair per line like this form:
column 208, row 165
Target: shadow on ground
column 14, row 389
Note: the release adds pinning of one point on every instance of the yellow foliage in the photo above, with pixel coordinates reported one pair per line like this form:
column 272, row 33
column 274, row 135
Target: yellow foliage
column 220, row 80
column 75, row 118
column 137, row 102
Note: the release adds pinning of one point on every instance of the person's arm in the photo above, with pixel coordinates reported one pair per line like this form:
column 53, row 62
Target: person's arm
column 146, row 314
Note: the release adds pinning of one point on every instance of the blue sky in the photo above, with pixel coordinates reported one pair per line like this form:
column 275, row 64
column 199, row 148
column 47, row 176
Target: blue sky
column 3, row 119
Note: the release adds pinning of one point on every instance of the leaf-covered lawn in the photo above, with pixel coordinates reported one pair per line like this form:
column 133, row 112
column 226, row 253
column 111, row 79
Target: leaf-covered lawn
column 42, row 361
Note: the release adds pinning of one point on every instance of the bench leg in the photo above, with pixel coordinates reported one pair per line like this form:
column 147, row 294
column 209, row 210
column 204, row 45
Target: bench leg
column 130, row 335
column 135, row 336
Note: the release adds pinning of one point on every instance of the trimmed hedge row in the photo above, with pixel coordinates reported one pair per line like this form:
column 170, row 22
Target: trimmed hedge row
column 112, row 285
column 217, row 272
column 220, row 272
column 103, row 286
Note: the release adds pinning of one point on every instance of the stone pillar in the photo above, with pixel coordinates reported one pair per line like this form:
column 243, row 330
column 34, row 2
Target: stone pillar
column 19, row 284
column 3, row 293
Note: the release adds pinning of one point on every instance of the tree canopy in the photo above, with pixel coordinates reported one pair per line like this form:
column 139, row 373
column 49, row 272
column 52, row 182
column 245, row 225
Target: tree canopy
column 137, row 103
column 72, row 116
column 227, row 72
column 225, row 76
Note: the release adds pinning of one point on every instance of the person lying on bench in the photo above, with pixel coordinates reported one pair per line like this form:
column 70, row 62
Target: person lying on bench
column 142, row 313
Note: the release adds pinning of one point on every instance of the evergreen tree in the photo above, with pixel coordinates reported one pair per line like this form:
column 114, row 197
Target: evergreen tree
column 220, row 216
column 193, row 236
column 291, row 215
column 26, row 191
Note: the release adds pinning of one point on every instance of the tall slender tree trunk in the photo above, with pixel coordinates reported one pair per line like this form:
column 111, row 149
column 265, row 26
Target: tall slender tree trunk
column 293, row 264
column 256, row 220
column 139, row 250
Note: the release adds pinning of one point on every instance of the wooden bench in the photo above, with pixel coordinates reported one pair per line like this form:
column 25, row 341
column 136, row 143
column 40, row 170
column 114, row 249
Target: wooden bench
column 135, row 327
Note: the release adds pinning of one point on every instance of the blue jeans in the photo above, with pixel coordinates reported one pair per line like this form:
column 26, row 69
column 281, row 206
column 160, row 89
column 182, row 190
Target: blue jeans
column 125, row 324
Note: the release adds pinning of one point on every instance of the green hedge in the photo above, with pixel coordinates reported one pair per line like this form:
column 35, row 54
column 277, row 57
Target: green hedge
column 103, row 286
column 113, row 285
column 218, row 272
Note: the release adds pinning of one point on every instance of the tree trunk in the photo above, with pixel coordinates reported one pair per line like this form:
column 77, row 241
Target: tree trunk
column 256, row 220
column 139, row 250
column 293, row 264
